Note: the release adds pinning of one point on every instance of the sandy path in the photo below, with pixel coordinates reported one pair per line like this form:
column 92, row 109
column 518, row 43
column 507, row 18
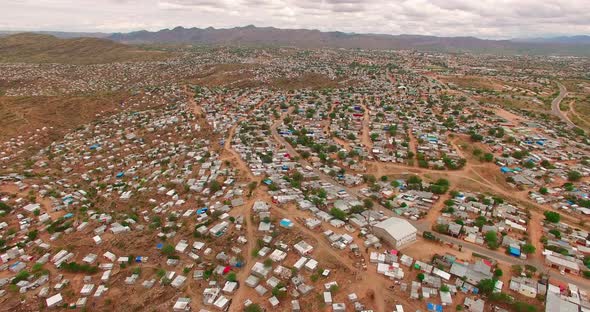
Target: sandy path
column 366, row 132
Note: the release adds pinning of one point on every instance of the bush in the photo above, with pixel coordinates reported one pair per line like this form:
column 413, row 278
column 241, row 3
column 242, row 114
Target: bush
column 442, row 228
column 441, row 186
column 338, row 213
column 528, row 249
column 21, row 276
column 231, row 276
column 574, row 176
column 523, row 307
column 268, row 263
column 498, row 273
column 491, row 239
column 74, row 267
column 476, row 137
column 552, row 216
column 420, row 276
column 486, row 286
column 428, row 235
column 253, row 308
column 168, row 250
column 414, row 180
column 214, row 186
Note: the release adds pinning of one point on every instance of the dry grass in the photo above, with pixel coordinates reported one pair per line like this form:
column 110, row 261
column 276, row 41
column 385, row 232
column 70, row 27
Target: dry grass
column 22, row 114
column 314, row 81
column 580, row 114
column 33, row 48
column 473, row 82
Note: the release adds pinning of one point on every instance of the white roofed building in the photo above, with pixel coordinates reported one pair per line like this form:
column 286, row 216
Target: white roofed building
column 397, row 232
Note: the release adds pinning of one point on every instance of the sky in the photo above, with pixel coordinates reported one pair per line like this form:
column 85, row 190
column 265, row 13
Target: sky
column 493, row 19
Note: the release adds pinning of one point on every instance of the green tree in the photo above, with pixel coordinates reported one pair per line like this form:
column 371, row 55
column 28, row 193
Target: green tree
column 498, row 273
column 338, row 213
column 268, row 263
column 486, row 286
column 420, row 276
column 231, row 276
column 168, row 250
column 491, row 239
column 552, row 216
column 528, row 249
column 214, row 186
column 574, row 176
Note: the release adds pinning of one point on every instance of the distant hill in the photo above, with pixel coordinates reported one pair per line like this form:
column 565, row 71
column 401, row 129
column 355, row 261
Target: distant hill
column 58, row 34
column 571, row 40
column 257, row 36
column 37, row 48
column 303, row 38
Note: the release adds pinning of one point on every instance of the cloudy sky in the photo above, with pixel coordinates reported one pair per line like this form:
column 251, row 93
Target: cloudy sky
column 481, row 18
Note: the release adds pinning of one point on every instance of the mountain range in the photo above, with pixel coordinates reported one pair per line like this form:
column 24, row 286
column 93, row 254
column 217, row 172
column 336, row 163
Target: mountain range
column 305, row 38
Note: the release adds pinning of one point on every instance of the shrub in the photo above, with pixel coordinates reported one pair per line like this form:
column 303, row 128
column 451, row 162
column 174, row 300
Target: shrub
column 338, row 213
column 168, row 250
column 574, row 176
column 74, row 267
column 552, row 216
column 528, row 249
column 420, row 276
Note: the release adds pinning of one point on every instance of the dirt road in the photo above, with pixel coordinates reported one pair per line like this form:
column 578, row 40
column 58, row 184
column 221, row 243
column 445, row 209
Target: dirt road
column 556, row 103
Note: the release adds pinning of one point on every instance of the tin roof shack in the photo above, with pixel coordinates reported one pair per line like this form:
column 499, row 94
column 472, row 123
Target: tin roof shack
column 563, row 263
column 472, row 272
column 54, row 300
column 182, row 304
column 474, row 305
column 397, row 232
column 566, row 300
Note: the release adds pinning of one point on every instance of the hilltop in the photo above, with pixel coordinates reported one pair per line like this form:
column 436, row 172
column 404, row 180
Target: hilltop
column 39, row 48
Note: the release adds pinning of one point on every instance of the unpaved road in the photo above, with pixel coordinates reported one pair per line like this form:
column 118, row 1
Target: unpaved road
column 557, row 101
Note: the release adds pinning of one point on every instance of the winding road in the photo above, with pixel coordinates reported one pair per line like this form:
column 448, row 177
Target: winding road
column 556, row 103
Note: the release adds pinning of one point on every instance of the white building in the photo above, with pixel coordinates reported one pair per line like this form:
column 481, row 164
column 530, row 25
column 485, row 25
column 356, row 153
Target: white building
column 397, row 232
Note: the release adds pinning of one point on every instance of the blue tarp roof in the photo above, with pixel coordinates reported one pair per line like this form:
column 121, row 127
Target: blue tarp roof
column 434, row 307
column 514, row 251
column 160, row 245
column 286, row 222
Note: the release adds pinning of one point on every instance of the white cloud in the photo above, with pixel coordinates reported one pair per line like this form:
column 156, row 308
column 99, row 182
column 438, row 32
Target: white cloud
column 482, row 18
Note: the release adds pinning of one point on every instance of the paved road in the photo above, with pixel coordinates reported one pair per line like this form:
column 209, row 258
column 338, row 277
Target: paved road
column 556, row 103
column 424, row 226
